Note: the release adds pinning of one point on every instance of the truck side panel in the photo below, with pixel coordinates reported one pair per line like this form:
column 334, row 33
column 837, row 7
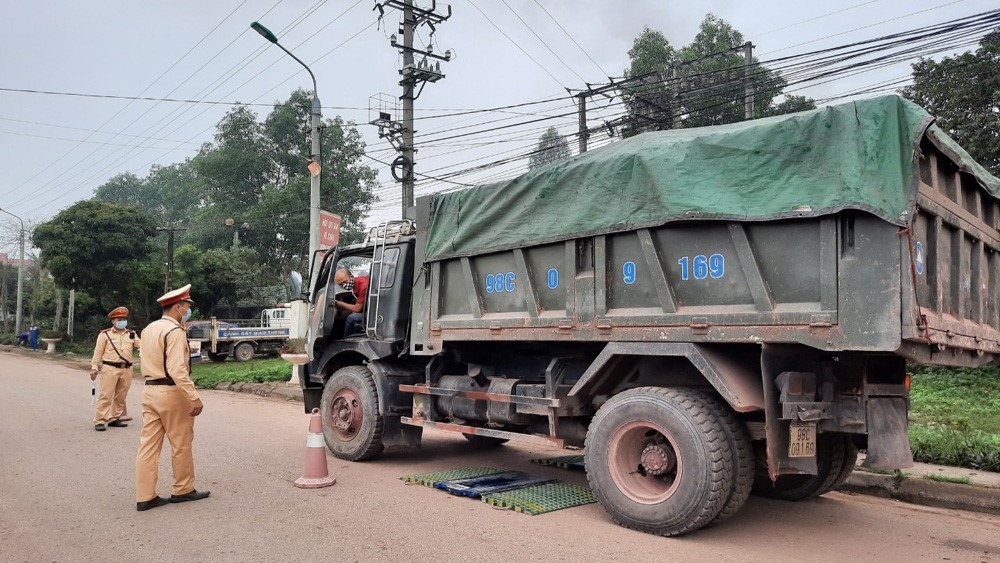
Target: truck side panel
column 699, row 281
column 953, row 301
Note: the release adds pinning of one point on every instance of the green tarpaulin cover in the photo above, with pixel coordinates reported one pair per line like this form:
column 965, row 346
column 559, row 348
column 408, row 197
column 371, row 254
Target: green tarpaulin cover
column 860, row 155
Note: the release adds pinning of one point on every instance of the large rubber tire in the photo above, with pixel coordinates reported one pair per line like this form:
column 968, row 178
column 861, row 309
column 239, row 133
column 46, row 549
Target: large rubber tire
column 658, row 460
column 848, row 464
column 743, row 460
column 831, row 450
column 352, row 423
column 217, row 357
column 484, row 441
column 243, row 352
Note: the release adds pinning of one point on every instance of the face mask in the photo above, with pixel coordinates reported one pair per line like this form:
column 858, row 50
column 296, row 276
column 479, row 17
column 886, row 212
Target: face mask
column 120, row 325
column 187, row 316
column 348, row 285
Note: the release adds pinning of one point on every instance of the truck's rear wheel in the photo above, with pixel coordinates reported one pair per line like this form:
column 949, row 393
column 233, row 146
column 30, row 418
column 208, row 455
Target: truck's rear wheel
column 352, row 423
column 659, row 461
column 831, row 453
column 847, row 466
column 743, row 461
column 243, row 352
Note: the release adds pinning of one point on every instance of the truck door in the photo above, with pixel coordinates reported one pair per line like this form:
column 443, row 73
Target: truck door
column 322, row 312
column 387, row 313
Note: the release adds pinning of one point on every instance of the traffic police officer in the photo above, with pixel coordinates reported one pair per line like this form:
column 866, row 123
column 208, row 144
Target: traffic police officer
column 113, row 360
column 169, row 404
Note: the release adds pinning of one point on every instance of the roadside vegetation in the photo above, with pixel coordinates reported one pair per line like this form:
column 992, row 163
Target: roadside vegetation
column 207, row 374
column 955, row 416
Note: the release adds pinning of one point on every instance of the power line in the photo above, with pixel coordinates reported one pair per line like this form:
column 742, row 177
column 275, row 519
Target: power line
column 150, row 85
column 571, row 38
column 515, row 43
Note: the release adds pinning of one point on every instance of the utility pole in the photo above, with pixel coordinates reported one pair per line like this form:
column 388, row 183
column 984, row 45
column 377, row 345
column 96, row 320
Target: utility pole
column 413, row 74
column 70, row 311
column 170, row 253
column 59, row 309
column 18, row 317
column 584, row 132
column 748, row 80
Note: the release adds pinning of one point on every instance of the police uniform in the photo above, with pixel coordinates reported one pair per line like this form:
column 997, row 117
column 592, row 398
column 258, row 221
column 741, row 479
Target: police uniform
column 167, row 402
column 113, row 362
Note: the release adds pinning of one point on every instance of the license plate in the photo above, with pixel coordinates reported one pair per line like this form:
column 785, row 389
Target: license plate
column 802, row 441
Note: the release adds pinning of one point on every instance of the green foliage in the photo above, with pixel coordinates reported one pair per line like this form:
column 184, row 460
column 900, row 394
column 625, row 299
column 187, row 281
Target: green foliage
column 700, row 84
column 955, row 416
column 96, row 246
column 213, row 274
column 963, row 92
column 552, row 147
column 961, row 480
column 210, row 374
column 255, row 173
column 650, row 52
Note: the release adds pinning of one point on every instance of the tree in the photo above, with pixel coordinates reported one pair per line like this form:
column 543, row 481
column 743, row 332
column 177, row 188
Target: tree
column 552, row 147
column 703, row 83
column 791, row 104
column 648, row 99
column 237, row 167
column 213, row 274
column 96, row 246
column 963, row 92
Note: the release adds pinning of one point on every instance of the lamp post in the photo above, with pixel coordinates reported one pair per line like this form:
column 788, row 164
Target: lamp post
column 230, row 222
column 20, row 277
column 314, row 165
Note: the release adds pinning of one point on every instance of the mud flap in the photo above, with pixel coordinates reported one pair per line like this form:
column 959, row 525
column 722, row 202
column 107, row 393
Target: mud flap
column 888, row 442
column 398, row 434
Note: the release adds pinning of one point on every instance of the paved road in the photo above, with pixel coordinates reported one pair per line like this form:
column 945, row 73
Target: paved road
column 66, row 494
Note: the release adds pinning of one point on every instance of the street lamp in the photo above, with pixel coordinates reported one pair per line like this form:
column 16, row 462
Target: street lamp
column 314, row 165
column 230, row 222
column 20, row 277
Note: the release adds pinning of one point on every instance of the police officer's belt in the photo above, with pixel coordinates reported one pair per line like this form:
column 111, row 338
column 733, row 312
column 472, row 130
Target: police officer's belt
column 162, row 381
column 117, row 364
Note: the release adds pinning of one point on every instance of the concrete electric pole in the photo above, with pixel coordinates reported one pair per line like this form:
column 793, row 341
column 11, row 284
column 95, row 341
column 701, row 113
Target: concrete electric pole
column 170, row 253
column 413, row 74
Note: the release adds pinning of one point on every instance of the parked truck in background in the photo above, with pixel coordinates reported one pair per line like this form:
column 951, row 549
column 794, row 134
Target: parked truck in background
column 707, row 311
column 220, row 339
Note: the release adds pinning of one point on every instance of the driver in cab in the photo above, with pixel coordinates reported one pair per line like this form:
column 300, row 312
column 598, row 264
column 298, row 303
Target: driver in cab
column 358, row 285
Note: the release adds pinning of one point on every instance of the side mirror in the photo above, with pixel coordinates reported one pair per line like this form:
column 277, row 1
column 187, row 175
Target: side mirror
column 295, row 281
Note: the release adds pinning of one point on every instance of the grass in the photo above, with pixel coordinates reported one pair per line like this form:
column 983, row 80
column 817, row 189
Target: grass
column 962, row 480
column 955, row 416
column 208, row 374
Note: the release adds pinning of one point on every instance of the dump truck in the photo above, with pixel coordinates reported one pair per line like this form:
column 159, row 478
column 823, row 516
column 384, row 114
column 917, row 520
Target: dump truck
column 708, row 312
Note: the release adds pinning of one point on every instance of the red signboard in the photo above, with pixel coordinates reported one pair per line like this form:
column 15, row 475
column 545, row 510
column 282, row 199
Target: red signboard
column 329, row 229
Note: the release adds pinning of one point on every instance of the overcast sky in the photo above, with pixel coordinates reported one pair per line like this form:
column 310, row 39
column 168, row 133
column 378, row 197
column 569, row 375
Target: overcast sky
column 56, row 149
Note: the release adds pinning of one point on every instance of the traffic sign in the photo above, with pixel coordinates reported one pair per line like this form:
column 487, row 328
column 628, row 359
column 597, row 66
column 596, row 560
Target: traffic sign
column 329, row 229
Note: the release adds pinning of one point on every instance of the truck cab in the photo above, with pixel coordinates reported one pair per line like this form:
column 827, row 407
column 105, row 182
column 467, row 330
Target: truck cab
column 386, row 257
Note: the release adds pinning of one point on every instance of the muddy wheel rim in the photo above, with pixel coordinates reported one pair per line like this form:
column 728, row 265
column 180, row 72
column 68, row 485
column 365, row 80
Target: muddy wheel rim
column 643, row 462
column 346, row 414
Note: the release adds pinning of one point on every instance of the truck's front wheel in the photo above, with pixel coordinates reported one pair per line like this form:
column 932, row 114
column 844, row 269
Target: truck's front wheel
column 659, row 460
column 352, row 423
column 243, row 352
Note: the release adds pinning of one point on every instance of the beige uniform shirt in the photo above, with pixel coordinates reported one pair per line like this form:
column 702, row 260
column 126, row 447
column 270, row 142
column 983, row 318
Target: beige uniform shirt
column 108, row 340
column 178, row 359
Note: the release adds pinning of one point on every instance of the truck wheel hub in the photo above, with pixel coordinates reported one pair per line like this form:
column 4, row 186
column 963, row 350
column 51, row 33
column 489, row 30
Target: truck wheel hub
column 657, row 460
column 346, row 414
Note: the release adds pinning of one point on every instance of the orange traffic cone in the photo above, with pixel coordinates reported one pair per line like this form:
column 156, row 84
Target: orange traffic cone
column 315, row 475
